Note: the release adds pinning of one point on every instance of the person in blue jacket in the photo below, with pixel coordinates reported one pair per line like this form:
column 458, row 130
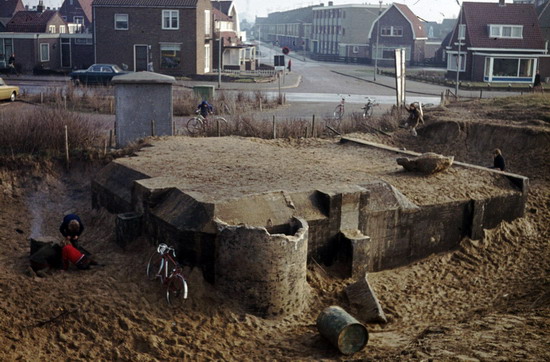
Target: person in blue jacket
column 71, row 228
column 205, row 109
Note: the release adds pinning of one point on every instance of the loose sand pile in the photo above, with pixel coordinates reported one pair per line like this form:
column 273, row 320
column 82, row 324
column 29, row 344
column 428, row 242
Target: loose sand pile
column 488, row 300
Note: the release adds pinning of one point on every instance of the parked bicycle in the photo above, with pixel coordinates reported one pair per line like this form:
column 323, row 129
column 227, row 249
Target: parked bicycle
column 163, row 265
column 200, row 125
column 368, row 108
column 340, row 109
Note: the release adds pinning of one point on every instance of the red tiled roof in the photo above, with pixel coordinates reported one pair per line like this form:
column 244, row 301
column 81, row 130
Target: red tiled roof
column 218, row 15
column 86, row 6
column 418, row 29
column 30, row 21
column 222, row 6
column 146, row 3
column 478, row 15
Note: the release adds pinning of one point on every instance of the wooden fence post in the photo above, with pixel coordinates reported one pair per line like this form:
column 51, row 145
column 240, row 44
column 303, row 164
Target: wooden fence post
column 67, row 146
column 274, row 128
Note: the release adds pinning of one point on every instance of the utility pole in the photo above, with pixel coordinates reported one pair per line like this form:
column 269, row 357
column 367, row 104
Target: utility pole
column 220, row 60
column 377, row 39
column 459, row 37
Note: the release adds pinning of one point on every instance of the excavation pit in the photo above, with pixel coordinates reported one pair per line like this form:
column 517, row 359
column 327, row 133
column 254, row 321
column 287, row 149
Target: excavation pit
column 359, row 207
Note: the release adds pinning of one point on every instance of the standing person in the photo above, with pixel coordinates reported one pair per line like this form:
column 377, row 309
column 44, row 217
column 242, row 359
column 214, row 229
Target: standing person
column 498, row 160
column 11, row 64
column 204, row 109
column 289, row 65
column 415, row 117
column 537, row 84
column 71, row 228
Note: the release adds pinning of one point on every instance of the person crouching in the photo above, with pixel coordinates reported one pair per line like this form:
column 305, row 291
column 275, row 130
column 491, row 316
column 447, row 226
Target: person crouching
column 70, row 254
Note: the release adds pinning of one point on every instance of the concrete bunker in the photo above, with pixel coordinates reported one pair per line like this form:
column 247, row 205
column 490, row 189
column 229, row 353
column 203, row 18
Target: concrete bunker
column 360, row 223
column 265, row 272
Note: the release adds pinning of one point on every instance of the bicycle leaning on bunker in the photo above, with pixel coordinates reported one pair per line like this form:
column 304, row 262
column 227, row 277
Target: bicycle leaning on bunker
column 162, row 265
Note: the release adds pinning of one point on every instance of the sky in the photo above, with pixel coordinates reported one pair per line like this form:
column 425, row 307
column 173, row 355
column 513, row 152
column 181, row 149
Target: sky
column 430, row 10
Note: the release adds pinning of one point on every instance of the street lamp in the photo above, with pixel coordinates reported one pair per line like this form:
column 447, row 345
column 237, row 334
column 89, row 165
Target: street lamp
column 377, row 39
column 220, row 38
column 460, row 37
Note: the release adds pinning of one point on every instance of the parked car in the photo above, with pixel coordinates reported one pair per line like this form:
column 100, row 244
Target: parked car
column 8, row 91
column 96, row 74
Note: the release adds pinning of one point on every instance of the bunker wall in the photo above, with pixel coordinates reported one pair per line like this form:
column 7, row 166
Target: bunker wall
column 266, row 273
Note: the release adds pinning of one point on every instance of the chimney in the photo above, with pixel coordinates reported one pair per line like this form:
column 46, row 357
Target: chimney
column 501, row 2
column 40, row 7
column 330, row 3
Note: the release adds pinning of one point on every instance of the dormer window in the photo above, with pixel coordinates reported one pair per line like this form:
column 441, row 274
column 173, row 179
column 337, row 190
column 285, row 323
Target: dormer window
column 506, row 31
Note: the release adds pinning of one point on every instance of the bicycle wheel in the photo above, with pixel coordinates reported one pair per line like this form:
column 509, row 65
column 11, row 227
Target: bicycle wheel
column 176, row 291
column 339, row 112
column 194, row 125
column 155, row 266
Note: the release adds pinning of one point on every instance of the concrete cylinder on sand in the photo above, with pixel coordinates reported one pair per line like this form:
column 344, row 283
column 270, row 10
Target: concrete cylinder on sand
column 342, row 330
column 264, row 273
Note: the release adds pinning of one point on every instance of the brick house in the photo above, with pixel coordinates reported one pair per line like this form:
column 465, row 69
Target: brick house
column 171, row 37
column 340, row 32
column 7, row 10
column 42, row 43
column 499, row 43
column 399, row 28
column 78, row 14
column 235, row 54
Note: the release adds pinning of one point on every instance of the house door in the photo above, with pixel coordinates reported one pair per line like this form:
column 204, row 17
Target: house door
column 65, row 53
column 141, row 57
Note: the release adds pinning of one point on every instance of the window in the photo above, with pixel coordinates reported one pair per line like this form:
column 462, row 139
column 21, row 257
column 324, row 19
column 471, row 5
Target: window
column 509, row 67
column 44, row 52
column 121, row 21
column 75, row 28
column 207, row 23
column 170, row 56
column 452, row 62
column 461, row 31
column 391, row 31
column 207, row 58
column 170, row 19
column 51, row 29
column 506, row 31
column 78, row 19
column 62, row 29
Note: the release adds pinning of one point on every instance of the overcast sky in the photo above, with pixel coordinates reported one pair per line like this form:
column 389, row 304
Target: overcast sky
column 431, row 10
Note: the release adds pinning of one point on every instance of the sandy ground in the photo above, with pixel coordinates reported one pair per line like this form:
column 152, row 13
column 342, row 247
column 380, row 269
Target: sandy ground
column 488, row 300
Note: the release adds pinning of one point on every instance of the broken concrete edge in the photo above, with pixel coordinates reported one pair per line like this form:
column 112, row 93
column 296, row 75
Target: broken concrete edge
column 364, row 302
column 519, row 181
column 301, row 230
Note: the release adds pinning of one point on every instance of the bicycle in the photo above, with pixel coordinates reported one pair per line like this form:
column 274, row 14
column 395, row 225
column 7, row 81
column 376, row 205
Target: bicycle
column 163, row 265
column 200, row 124
column 368, row 108
column 340, row 110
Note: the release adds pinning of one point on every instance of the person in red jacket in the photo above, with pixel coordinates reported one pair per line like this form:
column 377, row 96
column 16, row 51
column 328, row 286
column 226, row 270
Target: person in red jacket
column 70, row 254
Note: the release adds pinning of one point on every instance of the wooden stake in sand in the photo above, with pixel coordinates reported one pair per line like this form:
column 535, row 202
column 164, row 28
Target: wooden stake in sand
column 67, row 146
column 274, row 128
column 313, row 126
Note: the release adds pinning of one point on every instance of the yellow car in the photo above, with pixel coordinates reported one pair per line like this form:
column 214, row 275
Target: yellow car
column 8, row 91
